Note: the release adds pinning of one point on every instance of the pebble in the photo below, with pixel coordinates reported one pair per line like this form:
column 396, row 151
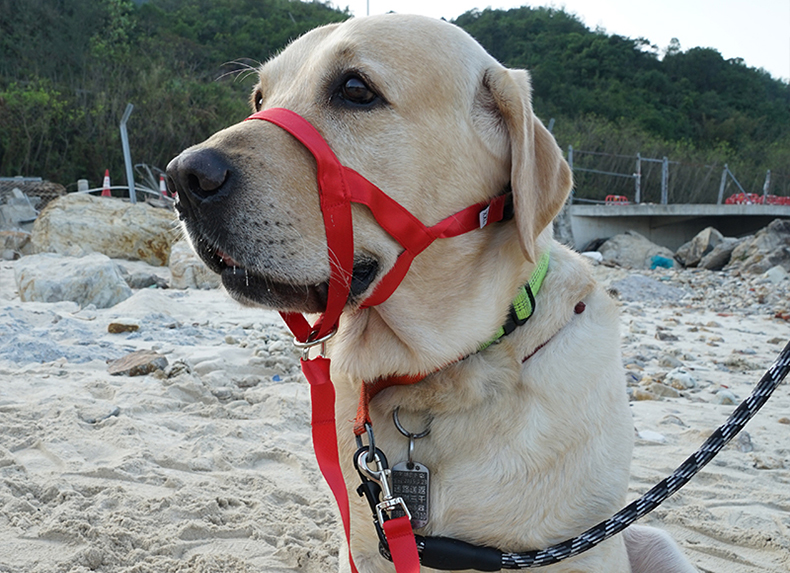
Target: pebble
column 744, row 443
column 725, row 398
column 651, row 436
column 669, row 361
column 137, row 363
column 664, row 391
column 666, row 336
column 123, row 325
column 640, row 395
column 680, row 379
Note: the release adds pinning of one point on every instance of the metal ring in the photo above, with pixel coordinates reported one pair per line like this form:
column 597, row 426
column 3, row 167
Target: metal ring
column 308, row 344
column 405, row 432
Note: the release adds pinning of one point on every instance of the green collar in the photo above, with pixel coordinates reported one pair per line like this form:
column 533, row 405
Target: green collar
column 523, row 306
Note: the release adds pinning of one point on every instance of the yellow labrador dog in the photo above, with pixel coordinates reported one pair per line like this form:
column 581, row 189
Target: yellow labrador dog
column 530, row 437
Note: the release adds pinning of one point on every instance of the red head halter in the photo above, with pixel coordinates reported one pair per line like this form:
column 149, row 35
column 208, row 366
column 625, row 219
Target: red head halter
column 338, row 187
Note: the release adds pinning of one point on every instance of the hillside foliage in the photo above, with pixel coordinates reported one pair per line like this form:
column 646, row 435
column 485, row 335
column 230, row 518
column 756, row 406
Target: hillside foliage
column 68, row 69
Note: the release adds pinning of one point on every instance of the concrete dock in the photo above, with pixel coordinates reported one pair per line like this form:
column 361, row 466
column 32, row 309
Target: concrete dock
column 669, row 225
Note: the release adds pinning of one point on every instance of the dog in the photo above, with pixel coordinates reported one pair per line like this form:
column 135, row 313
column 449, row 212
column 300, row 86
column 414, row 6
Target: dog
column 530, row 437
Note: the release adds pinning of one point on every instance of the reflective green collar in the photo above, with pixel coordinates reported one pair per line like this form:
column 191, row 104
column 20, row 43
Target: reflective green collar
column 523, row 306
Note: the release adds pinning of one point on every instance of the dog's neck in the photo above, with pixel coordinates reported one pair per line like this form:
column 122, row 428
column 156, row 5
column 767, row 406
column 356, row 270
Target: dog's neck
column 420, row 331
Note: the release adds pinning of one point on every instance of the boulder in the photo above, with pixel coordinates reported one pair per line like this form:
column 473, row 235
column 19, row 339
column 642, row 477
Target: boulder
column 766, row 249
column 632, row 250
column 718, row 258
column 188, row 271
column 106, row 225
column 14, row 244
column 690, row 254
column 92, row 279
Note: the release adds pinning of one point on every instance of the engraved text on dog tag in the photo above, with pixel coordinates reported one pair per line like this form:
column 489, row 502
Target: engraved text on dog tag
column 413, row 484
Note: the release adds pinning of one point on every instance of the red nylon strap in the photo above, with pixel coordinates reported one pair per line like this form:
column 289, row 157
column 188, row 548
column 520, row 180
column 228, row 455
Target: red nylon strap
column 370, row 389
column 322, row 396
column 336, row 210
column 403, row 548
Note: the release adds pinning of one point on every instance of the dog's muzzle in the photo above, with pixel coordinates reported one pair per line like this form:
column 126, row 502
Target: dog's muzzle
column 203, row 178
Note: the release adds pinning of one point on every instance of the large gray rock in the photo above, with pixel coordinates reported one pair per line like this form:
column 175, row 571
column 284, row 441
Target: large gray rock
column 92, row 279
column 768, row 248
column 718, row 258
column 113, row 227
column 634, row 251
column 690, row 254
column 188, row 271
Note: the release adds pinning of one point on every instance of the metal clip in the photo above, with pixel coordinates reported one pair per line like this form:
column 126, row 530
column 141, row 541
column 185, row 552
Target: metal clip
column 305, row 347
column 381, row 475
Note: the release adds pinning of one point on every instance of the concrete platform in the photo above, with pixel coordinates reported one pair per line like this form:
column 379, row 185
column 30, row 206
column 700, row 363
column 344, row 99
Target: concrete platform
column 669, row 225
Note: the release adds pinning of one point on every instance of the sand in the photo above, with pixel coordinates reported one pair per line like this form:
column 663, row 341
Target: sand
column 208, row 467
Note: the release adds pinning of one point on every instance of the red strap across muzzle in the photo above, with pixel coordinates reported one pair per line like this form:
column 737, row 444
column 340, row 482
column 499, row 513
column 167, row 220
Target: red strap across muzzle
column 338, row 187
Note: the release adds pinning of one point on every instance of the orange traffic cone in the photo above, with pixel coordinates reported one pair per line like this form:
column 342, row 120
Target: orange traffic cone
column 163, row 187
column 106, row 187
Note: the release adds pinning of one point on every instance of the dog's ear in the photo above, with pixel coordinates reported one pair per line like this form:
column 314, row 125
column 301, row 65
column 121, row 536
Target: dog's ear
column 539, row 175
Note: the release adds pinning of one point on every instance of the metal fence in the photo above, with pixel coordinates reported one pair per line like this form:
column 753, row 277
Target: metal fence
column 660, row 180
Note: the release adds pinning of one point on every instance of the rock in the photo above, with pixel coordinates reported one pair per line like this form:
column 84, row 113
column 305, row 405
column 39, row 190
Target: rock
column 744, row 442
column 632, row 250
column 768, row 248
column 14, row 244
column 106, row 225
column 188, row 271
column 776, row 274
column 718, row 258
column 660, row 389
column 18, row 212
column 680, row 379
column 120, row 326
column 692, row 252
column 92, row 279
column 762, row 462
column 640, row 395
column 665, row 335
column 669, row 361
column 651, row 436
column 726, row 398
column 137, row 363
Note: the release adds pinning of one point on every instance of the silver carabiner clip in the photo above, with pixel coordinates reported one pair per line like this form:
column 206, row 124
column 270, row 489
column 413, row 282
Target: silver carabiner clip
column 381, row 475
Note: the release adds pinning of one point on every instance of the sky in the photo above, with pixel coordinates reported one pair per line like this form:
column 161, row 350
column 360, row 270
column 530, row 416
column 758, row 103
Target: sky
column 758, row 31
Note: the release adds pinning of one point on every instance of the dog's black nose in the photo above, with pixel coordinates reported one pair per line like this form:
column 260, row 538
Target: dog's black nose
column 198, row 175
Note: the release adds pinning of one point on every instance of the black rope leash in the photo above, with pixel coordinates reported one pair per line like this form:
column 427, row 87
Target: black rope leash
column 451, row 554
column 653, row 498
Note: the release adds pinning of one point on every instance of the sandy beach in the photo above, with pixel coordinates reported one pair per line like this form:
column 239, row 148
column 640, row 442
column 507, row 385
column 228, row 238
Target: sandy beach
column 207, row 466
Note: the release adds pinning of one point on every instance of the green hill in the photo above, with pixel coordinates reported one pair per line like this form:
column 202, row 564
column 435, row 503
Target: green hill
column 67, row 70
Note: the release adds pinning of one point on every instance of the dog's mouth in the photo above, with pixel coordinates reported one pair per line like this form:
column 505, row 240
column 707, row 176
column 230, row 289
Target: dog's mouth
column 251, row 287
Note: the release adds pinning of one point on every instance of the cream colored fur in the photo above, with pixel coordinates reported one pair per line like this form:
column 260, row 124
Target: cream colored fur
column 522, row 455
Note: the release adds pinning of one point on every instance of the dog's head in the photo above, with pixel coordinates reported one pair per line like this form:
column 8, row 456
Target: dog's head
column 415, row 105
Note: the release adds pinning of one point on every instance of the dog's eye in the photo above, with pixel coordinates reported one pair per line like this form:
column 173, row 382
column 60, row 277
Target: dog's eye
column 355, row 90
column 257, row 100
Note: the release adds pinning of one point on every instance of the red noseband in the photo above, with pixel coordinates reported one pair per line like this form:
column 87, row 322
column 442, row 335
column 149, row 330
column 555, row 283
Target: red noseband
column 338, row 187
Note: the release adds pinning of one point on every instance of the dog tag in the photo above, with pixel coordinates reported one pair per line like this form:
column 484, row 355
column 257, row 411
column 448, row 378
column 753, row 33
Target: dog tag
column 413, row 485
